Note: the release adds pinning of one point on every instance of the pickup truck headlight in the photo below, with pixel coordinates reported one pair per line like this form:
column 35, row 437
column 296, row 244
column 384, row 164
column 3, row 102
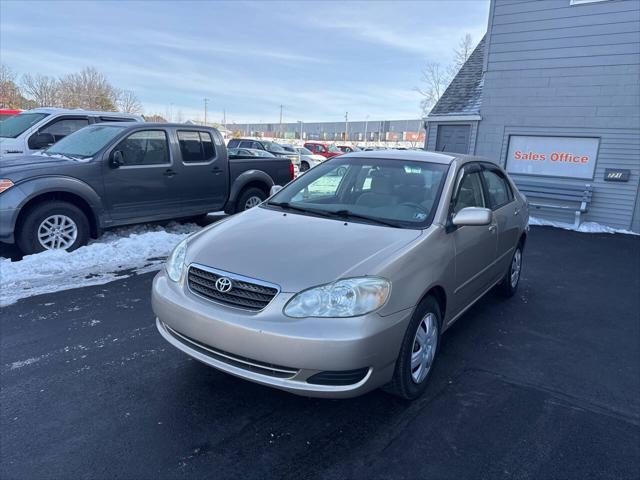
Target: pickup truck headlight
column 349, row 297
column 175, row 261
column 5, row 184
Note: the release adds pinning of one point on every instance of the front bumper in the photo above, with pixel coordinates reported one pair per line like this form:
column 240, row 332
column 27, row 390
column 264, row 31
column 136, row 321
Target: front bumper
column 269, row 348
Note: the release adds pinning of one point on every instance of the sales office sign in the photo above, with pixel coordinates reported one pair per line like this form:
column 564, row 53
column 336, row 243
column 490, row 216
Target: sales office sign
column 573, row 157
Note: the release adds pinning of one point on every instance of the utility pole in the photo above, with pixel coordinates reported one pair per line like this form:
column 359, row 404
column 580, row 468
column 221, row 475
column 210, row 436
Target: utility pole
column 206, row 101
column 366, row 124
column 281, row 107
column 346, row 126
column 301, row 135
column 224, row 118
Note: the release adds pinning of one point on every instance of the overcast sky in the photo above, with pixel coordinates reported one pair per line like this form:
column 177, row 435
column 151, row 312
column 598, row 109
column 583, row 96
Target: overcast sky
column 317, row 59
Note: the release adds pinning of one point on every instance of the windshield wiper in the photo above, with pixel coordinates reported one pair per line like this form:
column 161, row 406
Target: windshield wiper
column 348, row 214
column 288, row 206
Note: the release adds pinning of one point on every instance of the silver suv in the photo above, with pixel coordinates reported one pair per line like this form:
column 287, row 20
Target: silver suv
column 399, row 245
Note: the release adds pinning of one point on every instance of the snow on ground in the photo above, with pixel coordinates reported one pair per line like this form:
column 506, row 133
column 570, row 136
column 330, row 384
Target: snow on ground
column 585, row 227
column 117, row 253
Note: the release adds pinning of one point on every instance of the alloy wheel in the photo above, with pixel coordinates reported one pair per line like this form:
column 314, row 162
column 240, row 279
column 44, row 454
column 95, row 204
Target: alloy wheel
column 57, row 232
column 252, row 202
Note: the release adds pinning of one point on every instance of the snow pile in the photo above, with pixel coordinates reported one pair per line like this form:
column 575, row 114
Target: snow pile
column 585, row 227
column 115, row 254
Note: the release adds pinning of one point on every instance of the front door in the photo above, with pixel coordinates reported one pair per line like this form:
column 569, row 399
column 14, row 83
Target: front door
column 145, row 186
column 453, row 138
column 475, row 246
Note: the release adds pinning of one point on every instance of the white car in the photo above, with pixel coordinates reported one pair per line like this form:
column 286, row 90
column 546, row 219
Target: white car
column 34, row 130
column 308, row 159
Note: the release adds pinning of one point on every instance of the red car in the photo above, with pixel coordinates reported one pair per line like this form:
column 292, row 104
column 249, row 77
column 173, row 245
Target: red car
column 347, row 148
column 4, row 114
column 325, row 149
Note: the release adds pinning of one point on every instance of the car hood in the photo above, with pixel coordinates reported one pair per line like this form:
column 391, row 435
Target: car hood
column 26, row 163
column 295, row 251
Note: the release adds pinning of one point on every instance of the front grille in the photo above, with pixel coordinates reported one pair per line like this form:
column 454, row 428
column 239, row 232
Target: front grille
column 245, row 293
column 245, row 363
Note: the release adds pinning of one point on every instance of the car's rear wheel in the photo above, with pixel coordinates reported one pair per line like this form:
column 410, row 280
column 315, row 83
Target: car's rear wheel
column 509, row 284
column 418, row 351
column 52, row 226
column 304, row 166
column 251, row 197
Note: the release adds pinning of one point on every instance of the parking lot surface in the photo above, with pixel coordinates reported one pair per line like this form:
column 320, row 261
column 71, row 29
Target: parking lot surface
column 544, row 385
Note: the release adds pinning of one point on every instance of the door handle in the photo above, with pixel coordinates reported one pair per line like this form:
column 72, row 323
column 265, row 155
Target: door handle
column 516, row 211
column 492, row 228
column 169, row 173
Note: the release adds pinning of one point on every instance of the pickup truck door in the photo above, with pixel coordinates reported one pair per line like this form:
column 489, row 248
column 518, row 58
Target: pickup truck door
column 204, row 170
column 144, row 186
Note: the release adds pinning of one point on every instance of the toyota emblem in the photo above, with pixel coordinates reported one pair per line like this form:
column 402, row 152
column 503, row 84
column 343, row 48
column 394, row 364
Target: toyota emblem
column 224, row 284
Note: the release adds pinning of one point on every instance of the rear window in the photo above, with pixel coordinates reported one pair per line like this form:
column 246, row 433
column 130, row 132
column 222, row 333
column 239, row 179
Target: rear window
column 196, row 147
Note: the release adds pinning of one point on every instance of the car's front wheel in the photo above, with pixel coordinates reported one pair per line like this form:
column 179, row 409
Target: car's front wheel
column 52, row 226
column 418, row 351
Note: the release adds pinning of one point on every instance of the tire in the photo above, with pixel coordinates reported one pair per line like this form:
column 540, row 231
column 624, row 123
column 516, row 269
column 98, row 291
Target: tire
column 404, row 384
column 509, row 284
column 72, row 223
column 248, row 196
column 304, row 166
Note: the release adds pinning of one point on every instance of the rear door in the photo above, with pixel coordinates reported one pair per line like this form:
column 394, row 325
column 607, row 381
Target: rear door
column 204, row 176
column 506, row 214
column 146, row 186
column 475, row 246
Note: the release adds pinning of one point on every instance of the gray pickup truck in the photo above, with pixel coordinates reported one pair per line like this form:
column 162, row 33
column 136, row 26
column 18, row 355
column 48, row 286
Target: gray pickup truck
column 113, row 174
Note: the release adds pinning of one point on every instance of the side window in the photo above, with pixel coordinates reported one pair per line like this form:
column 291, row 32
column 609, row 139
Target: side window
column 148, row 147
column 65, row 126
column 256, row 145
column 245, row 144
column 233, row 143
column 195, row 147
column 469, row 193
column 498, row 189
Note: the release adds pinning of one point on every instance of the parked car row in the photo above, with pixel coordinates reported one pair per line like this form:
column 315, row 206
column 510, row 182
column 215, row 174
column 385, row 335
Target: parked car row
column 118, row 173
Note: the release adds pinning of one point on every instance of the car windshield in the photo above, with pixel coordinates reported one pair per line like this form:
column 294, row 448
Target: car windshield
column 274, row 147
column 392, row 192
column 12, row 127
column 304, row 151
column 85, row 143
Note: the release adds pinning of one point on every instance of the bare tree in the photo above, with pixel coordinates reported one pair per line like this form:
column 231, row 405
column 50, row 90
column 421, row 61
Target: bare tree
column 436, row 78
column 435, row 81
column 89, row 90
column 10, row 96
column 43, row 90
column 128, row 102
column 156, row 118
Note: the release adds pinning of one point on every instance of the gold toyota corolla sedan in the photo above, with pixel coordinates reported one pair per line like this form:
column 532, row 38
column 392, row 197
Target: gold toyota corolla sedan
column 345, row 279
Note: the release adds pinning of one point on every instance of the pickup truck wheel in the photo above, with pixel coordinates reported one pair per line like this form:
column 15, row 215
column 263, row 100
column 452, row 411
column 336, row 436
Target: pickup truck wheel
column 53, row 226
column 250, row 198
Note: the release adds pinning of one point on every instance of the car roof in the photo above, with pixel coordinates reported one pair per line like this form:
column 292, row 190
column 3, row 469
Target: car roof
column 52, row 110
column 445, row 158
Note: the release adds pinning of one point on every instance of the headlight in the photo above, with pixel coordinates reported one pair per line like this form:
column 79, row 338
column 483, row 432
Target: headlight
column 5, row 184
column 175, row 261
column 350, row 297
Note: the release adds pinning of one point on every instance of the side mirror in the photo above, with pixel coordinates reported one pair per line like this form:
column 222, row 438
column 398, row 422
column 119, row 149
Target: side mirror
column 472, row 216
column 116, row 160
column 41, row 140
column 275, row 189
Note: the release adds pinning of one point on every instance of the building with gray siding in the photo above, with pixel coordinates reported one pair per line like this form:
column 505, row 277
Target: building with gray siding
column 553, row 77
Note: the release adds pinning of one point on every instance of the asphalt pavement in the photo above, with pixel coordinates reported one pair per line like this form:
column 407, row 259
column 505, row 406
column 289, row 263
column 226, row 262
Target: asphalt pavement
column 543, row 385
